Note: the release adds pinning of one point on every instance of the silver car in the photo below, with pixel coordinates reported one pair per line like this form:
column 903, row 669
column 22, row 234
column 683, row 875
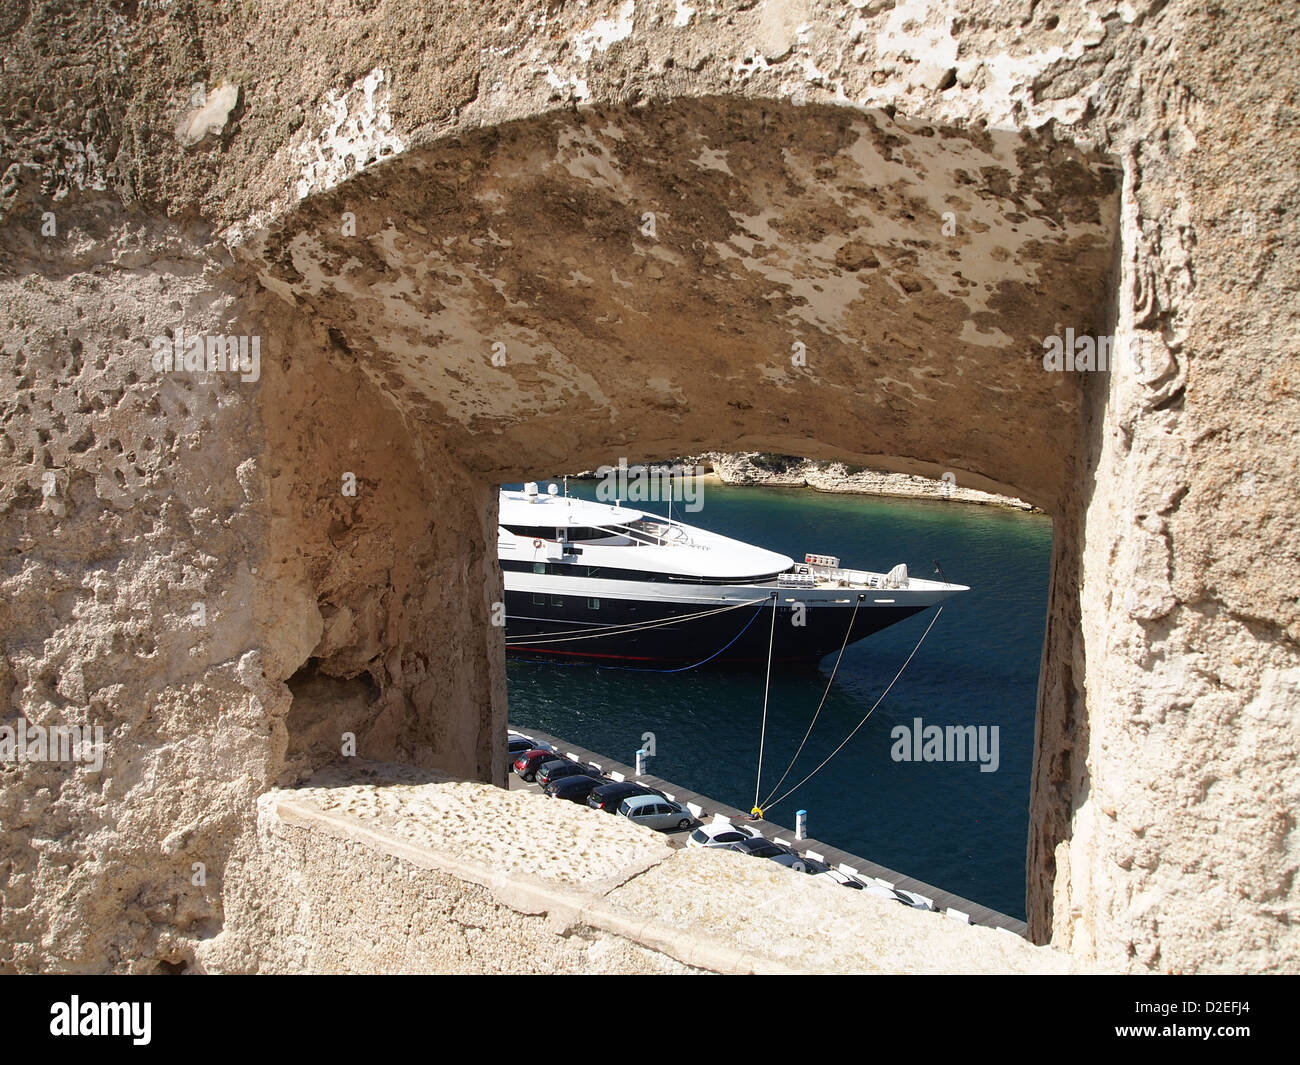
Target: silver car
column 654, row 811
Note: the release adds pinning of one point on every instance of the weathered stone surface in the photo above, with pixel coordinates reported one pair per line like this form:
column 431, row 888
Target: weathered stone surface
column 473, row 880
column 352, row 877
column 394, row 190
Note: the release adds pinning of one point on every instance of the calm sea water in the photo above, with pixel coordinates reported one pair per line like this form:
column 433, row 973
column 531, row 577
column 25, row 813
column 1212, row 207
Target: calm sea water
column 944, row 823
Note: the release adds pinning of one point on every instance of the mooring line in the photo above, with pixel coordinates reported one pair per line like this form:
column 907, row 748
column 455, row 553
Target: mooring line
column 767, row 684
column 839, row 658
column 679, row 669
column 702, row 661
column 869, row 713
column 621, row 629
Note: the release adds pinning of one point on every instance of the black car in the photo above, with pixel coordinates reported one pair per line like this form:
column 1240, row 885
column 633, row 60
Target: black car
column 609, row 796
column 559, row 768
column 517, row 745
column 528, row 763
column 576, row 787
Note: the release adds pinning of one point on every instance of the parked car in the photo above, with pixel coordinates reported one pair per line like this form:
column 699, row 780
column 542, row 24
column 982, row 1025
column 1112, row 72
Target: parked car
column 823, row 872
column 558, row 768
column 575, row 788
column 527, row 764
column 654, row 811
column 836, row 876
column 759, row 847
column 917, row 902
column 517, row 744
column 907, row 898
column 609, row 796
column 721, row 834
column 789, row 859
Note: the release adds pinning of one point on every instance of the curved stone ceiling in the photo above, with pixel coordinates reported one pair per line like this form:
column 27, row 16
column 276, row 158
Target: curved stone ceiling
column 660, row 278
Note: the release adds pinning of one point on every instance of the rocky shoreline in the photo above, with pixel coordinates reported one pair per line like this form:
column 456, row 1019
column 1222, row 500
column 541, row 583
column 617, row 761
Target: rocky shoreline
column 789, row 471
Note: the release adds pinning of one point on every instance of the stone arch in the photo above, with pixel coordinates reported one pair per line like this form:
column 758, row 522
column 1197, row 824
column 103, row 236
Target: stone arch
column 1163, row 828
column 647, row 273
column 919, row 266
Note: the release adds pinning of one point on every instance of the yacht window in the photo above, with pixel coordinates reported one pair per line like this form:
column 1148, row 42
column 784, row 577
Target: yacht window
column 539, row 600
column 539, row 567
column 593, row 604
column 557, row 600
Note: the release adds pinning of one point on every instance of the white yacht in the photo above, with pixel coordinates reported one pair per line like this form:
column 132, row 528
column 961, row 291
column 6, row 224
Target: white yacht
column 610, row 583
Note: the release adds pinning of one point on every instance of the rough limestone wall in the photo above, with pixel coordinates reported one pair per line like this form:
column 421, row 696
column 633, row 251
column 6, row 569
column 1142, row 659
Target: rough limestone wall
column 390, row 868
column 1165, row 783
column 133, row 519
column 781, row 234
column 1060, row 776
column 1181, row 849
column 190, row 658
column 306, row 902
column 379, row 556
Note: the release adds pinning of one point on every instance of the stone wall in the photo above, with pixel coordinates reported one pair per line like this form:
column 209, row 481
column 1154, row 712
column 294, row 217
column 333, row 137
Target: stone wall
column 381, row 868
column 916, row 192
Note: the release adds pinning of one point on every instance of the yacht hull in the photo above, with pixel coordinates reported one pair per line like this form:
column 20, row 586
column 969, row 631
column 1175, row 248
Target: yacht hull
column 655, row 634
column 593, row 582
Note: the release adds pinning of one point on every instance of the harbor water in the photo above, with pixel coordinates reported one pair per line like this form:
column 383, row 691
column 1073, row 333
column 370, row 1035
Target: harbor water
column 961, row 825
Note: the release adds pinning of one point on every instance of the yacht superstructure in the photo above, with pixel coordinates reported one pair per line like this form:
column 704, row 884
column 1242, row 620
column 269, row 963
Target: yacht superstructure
column 611, row 583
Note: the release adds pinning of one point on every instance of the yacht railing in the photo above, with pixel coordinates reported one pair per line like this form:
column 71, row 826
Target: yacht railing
column 650, row 533
column 805, row 575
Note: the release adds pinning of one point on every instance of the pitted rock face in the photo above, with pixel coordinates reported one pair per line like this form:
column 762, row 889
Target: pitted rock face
column 644, row 210
column 732, row 256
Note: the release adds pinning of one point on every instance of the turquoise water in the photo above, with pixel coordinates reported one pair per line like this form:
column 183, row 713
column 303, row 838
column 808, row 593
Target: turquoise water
column 946, row 823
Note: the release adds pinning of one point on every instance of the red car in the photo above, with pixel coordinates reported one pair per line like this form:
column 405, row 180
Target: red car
column 527, row 764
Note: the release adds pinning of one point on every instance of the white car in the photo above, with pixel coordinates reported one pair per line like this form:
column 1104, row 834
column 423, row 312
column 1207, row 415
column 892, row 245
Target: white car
column 827, row 875
column 791, row 861
column 821, row 872
column 720, row 834
column 907, row 898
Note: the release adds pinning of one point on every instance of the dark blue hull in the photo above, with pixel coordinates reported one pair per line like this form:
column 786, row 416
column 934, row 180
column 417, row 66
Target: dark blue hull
column 737, row 638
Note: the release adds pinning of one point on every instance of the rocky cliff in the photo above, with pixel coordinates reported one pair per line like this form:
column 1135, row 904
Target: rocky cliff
column 790, row 471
